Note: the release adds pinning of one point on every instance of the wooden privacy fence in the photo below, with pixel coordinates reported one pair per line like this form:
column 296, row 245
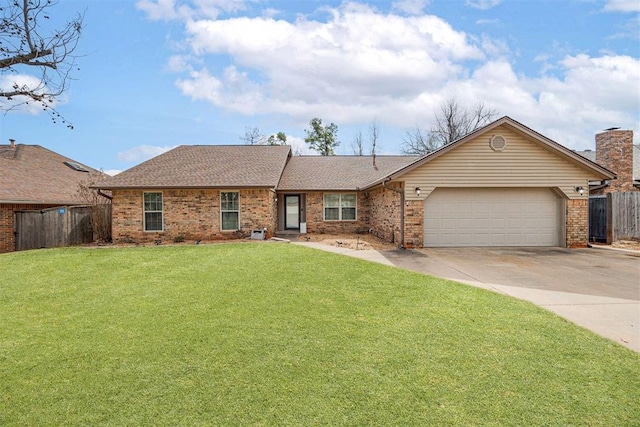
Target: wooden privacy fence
column 623, row 216
column 615, row 216
column 55, row 227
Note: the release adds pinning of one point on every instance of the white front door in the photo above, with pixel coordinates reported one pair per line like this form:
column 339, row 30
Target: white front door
column 292, row 212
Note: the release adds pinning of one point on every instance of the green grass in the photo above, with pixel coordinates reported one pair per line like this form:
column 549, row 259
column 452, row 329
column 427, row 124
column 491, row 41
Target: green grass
column 275, row 334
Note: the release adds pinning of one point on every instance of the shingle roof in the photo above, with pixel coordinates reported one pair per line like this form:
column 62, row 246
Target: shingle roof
column 588, row 154
column 338, row 172
column 203, row 166
column 591, row 155
column 33, row 174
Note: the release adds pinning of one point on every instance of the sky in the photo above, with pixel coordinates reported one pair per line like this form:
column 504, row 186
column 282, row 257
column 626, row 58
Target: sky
column 155, row 74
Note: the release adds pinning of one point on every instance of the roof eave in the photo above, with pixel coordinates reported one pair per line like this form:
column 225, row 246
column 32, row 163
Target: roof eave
column 603, row 172
column 41, row 202
column 177, row 187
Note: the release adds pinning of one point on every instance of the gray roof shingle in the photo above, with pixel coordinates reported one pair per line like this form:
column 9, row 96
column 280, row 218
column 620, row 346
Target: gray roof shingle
column 206, row 166
column 33, row 174
column 338, row 172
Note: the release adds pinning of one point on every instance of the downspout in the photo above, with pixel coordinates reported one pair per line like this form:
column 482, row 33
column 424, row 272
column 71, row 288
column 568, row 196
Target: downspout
column 401, row 192
column 104, row 195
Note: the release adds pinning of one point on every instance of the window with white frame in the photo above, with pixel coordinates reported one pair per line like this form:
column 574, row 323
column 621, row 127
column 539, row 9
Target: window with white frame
column 229, row 210
column 340, row 207
column 153, row 211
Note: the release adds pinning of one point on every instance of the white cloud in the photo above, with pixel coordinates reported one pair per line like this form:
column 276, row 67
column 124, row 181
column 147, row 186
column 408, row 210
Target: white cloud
column 410, row 7
column 168, row 10
column 112, row 172
column 142, row 153
column 298, row 146
column 359, row 57
column 362, row 63
column 482, row 4
column 622, row 6
column 26, row 82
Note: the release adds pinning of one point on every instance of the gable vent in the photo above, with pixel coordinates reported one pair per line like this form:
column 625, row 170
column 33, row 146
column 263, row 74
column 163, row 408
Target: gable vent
column 498, row 143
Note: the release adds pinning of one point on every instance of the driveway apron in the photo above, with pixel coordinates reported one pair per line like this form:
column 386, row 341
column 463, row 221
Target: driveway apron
column 594, row 288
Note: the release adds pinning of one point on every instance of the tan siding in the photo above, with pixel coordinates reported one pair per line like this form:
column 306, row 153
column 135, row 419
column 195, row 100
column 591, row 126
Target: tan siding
column 523, row 163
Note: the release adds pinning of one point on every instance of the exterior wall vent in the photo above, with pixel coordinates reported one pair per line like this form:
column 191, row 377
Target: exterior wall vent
column 498, row 143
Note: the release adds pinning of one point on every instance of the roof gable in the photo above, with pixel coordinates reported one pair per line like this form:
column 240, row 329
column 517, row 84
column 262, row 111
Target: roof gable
column 593, row 168
column 34, row 174
column 207, row 166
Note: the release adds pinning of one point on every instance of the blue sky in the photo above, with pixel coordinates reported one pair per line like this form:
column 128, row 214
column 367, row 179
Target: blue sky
column 159, row 73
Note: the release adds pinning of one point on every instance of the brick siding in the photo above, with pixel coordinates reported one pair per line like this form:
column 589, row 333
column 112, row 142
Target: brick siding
column 577, row 223
column 385, row 212
column 195, row 215
column 414, row 223
column 315, row 215
column 614, row 151
column 192, row 214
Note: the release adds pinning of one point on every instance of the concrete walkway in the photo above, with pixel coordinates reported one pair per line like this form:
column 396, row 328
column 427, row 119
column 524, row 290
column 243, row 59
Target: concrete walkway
column 579, row 285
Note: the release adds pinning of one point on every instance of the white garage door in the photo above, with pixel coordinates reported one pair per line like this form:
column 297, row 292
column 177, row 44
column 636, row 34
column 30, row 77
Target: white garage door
column 493, row 217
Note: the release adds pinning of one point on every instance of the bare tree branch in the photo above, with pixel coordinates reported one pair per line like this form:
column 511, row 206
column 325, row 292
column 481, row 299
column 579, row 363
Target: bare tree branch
column 253, row 136
column 357, row 146
column 451, row 123
column 374, row 134
column 35, row 61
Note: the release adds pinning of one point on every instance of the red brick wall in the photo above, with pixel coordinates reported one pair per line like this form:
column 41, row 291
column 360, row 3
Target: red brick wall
column 7, row 211
column 577, row 223
column 614, row 151
column 385, row 212
column 315, row 215
column 193, row 214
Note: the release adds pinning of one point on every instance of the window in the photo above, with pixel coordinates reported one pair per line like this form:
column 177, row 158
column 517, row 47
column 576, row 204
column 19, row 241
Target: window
column 340, row 207
column 153, row 212
column 229, row 211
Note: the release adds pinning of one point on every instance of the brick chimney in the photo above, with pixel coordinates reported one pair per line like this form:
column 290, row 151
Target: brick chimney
column 614, row 151
column 12, row 144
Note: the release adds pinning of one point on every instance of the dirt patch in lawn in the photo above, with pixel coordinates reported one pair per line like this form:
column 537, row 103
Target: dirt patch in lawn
column 361, row 242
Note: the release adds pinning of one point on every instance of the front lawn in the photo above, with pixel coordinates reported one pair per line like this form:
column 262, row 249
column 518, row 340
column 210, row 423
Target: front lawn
column 277, row 334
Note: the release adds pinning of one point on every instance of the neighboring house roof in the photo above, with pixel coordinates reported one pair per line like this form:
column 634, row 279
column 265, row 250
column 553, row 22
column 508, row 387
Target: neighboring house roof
column 561, row 150
column 591, row 155
column 338, row 172
column 207, row 166
column 588, row 154
column 31, row 174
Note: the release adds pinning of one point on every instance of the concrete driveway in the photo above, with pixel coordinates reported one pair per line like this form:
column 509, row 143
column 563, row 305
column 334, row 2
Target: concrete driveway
column 596, row 288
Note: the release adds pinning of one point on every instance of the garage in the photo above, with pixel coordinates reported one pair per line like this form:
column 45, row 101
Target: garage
column 493, row 217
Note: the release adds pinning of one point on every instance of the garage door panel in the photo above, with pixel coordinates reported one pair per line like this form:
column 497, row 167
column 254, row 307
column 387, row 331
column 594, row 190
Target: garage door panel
column 493, row 217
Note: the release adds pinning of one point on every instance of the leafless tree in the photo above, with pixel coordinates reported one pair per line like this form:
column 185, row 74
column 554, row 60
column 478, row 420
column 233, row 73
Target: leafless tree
column 100, row 208
column 451, row 123
column 357, row 146
column 374, row 134
column 253, row 136
column 36, row 61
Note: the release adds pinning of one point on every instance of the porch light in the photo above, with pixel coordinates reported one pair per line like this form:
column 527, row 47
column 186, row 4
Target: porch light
column 580, row 190
column 417, row 191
